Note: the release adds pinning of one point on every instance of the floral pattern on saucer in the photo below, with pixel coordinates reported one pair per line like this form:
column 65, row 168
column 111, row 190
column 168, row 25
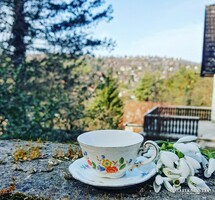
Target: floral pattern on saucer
column 106, row 165
column 81, row 171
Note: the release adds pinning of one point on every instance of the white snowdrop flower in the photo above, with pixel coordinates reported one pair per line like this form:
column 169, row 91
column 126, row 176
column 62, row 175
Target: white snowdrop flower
column 172, row 173
column 211, row 168
column 157, row 183
column 169, row 187
column 159, row 180
column 204, row 162
column 178, row 170
column 177, row 182
column 186, row 148
column 192, row 170
column 181, row 180
column 196, row 144
column 184, row 168
column 197, row 156
column 187, row 139
column 156, row 187
column 194, row 163
column 168, row 158
column 158, row 165
column 197, row 185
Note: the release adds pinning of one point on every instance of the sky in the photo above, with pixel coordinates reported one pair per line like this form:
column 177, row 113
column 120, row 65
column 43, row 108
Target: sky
column 167, row 28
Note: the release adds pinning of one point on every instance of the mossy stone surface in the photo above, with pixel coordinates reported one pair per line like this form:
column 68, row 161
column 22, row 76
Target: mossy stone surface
column 40, row 179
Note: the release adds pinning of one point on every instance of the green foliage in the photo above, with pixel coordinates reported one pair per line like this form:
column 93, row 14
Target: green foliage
column 43, row 96
column 180, row 86
column 184, row 87
column 60, row 26
column 105, row 110
column 150, row 88
column 49, row 104
column 209, row 153
column 202, row 92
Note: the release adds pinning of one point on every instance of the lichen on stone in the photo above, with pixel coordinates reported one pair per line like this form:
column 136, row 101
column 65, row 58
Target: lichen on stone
column 24, row 153
column 72, row 153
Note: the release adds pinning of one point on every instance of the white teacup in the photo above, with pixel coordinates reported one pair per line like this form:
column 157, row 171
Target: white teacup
column 112, row 152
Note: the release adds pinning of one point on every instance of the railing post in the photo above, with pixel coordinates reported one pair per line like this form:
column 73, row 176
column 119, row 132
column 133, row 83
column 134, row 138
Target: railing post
column 174, row 120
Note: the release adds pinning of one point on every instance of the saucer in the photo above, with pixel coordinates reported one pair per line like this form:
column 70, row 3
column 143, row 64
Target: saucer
column 81, row 171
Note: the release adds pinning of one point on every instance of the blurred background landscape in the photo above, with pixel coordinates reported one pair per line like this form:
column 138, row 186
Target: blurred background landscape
column 56, row 84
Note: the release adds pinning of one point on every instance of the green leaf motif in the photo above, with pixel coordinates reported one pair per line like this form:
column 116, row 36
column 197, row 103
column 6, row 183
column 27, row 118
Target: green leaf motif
column 94, row 165
column 121, row 160
column 122, row 166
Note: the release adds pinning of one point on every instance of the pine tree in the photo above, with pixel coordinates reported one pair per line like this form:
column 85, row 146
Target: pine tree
column 106, row 108
column 50, row 26
column 42, row 43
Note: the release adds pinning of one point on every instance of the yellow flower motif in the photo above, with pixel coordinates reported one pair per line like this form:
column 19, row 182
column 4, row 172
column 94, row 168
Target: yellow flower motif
column 106, row 163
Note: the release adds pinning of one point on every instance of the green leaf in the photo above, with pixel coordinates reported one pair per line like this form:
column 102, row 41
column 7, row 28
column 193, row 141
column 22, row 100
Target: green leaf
column 122, row 166
column 94, row 165
column 208, row 153
column 179, row 154
column 121, row 160
column 170, row 146
column 163, row 146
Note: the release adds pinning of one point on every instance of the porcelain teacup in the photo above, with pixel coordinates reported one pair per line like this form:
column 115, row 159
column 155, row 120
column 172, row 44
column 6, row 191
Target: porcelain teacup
column 112, row 152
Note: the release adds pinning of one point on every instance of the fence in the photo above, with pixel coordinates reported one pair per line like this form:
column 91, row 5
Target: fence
column 175, row 120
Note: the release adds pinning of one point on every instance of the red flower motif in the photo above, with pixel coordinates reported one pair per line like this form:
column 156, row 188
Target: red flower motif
column 111, row 169
column 89, row 162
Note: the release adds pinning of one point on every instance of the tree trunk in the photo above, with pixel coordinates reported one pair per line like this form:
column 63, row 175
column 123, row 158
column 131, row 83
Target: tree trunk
column 19, row 31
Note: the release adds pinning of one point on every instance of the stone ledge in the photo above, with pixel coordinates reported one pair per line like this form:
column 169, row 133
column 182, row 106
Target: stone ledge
column 37, row 178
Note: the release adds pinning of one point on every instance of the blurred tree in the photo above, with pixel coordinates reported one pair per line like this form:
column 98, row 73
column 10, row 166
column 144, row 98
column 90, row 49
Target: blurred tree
column 50, row 26
column 183, row 87
column 49, row 104
column 150, row 88
column 44, row 93
column 106, row 108
column 200, row 95
column 180, row 86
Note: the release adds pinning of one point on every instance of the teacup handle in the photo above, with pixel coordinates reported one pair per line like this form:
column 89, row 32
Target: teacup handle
column 143, row 150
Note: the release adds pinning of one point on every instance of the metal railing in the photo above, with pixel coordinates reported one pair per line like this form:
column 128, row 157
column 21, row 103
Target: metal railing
column 175, row 120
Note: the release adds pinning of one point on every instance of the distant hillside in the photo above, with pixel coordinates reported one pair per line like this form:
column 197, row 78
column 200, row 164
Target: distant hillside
column 129, row 70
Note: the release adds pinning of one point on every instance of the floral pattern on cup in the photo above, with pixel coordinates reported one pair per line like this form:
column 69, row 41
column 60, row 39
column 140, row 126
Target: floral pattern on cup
column 106, row 165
